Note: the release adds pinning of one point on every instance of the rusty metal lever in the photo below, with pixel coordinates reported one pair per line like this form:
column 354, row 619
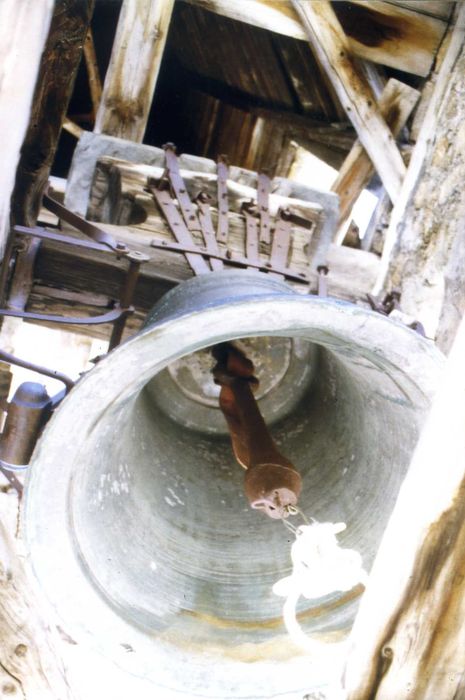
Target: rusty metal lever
column 272, row 483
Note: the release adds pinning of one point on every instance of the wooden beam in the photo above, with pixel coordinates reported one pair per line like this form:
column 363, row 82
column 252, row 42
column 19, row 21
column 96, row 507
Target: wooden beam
column 58, row 69
column 434, row 8
column 134, row 66
column 426, row 134
column 72, row 128
column 391, row 35
column 330, row 47
column 22, row 24
column 409, row 636
column 95, row 84
column 396, row 104
column 406, row 39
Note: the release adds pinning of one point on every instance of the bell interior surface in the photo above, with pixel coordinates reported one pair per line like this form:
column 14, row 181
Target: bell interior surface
column 136, row 523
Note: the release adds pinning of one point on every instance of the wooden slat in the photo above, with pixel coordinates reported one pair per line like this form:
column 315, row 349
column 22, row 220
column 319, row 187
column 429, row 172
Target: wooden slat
column 134, row 67
column 329, row 45
column 396, row 104
column 394, row 33
column 95, row 84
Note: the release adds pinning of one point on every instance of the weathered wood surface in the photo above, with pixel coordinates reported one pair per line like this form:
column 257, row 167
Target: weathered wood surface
column 434, row 8
column 134, row 66
column 21, row 24
column 330, row 47
column 58, row 68
column 30, row 665
column 396, row 104
column 424, row 251
column 406, row 39
column 408, row 640
column 391, row 35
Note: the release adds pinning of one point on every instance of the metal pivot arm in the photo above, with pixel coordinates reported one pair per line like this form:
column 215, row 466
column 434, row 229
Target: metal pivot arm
column 271, row 482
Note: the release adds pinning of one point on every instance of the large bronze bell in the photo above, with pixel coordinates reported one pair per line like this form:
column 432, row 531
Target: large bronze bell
column 137, row 526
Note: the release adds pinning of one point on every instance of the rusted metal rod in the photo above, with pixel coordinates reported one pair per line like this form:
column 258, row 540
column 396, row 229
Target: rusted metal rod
column 272, row 483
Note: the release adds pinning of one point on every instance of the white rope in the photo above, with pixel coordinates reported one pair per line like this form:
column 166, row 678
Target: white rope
column 320, row 567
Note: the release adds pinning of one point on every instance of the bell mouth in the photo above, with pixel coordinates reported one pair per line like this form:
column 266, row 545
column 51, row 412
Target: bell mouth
column 146, row 539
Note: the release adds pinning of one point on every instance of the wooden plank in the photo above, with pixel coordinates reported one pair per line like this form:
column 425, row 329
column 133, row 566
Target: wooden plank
column 95, row 84
column 22, row 24
column 134, row 66
column 406, row 39
column 58, row 68
column 409, row 635
column 456, row 44
column 396, row 104
column 391, row 35
column 330, row 47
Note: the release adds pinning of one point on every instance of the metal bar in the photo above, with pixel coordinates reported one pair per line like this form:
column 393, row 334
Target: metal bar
column 251, row 238
column 81, row 224
column 126, row 297
column 23, row 277
column 109, row 317
column 179, row 188
column 223, row 201
column 263, row 196
column 12, row 360
column 281, row 241
column 42, row 233
column 231, row 259
column 180, row 231
column 208, row 231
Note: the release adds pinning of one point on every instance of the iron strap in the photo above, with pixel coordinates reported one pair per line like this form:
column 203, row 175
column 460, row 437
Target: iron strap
column 179, row 229
column 208, row 231
column 263, row 202
column 230, row 258
column 223, row 201
column 109, row 317
column 81, row 224
column 179, row 188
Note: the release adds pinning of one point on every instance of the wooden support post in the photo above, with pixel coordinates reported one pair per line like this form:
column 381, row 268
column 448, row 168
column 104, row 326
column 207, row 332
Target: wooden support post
column 331, row 49
column 58, row 68
column 396, row 104
column 425, row 137
column 23, row 30
column 409, row 636
column 134, row 66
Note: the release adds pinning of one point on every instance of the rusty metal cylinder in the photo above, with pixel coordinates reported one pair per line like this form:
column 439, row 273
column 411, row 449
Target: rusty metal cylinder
column 137, row 526
column 27, row 413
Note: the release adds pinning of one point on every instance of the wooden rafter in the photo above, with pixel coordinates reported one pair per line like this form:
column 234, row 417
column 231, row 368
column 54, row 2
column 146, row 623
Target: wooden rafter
column 95, row 84
column 330, row 47
column 408, row 35
column 396, row 104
